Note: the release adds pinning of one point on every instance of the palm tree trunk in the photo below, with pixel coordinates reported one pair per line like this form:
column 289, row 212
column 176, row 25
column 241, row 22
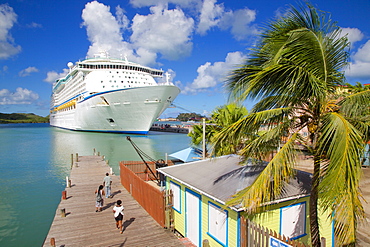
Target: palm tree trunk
column 314, row 222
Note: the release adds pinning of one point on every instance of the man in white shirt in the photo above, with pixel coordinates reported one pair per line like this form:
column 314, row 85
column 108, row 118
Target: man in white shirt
column 107, row 182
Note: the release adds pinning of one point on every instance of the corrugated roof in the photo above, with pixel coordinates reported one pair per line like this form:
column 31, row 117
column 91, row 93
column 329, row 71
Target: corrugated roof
column 220, row 178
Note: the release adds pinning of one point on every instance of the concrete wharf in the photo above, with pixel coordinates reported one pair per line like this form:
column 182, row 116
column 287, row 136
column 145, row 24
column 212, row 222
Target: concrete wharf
column 82, row 226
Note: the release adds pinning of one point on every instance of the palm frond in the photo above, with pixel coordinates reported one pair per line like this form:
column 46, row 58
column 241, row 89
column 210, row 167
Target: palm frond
column 356, row 104
column 248, row 127
column 268, row 186
column 342, row 146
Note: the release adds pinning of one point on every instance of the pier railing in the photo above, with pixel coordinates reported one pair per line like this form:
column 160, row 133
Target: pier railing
column 138, row 181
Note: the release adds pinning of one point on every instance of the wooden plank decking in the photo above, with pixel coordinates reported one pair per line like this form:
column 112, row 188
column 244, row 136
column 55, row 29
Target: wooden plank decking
column 82, row 226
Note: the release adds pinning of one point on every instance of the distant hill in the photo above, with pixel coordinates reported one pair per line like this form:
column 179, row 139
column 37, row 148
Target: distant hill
column 22, row 118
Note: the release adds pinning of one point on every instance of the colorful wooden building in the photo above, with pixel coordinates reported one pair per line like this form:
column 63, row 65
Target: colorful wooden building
column 201, row 189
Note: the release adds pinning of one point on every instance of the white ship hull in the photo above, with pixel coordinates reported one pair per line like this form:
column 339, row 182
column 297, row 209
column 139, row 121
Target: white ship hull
column 109, row 95
column 128, row 111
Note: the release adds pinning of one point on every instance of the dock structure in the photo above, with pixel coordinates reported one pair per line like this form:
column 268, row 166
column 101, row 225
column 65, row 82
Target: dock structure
column 77, row 224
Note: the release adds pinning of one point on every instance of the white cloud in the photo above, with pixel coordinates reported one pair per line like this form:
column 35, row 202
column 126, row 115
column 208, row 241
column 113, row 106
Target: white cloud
column 21, row 96
column 103, row 30
column 363, row 53
column 210, row 16
column 52, row 75
column 360, row 67
column 359, row 70
column 183, row 3
column 163, row 31
column 211, row 75
column 122, row 19
column 28, row 71
column 353, row 34
column 34, row 25
column 7, row 20
column 240, row 23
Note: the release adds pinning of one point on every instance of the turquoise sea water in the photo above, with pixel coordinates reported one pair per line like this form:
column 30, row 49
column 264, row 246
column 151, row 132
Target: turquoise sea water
column 36, row 158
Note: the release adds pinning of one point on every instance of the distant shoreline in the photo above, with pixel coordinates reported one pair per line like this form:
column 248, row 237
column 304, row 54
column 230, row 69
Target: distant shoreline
column 1, row 122
column 12, row 118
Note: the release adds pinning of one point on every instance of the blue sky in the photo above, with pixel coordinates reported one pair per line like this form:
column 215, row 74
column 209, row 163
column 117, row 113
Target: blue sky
column 197, row 41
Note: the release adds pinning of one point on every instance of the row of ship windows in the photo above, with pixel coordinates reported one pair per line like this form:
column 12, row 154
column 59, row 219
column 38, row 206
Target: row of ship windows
column 116, row 66
column 127, row 82
column 125, row 72
column 129, row 77
column 117, row 86
column 68, row 108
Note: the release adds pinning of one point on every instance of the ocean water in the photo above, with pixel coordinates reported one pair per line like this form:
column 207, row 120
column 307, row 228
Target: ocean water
column 36, row 158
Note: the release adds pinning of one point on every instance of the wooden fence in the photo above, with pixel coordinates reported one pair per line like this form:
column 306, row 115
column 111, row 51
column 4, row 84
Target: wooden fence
column 254, row 235
column 134, row 177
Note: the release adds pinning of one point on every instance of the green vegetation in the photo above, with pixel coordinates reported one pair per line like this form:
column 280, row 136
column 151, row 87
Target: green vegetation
column 189, row 117
column 22, row 118
column 221, row 117
column 295, row 71
column 358, row 87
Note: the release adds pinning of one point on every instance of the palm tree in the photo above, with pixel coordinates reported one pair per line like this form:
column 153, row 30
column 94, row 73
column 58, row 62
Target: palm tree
column 294, row 71
column 221, row 118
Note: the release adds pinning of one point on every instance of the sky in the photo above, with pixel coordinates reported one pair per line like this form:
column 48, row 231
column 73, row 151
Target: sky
column 197, row 41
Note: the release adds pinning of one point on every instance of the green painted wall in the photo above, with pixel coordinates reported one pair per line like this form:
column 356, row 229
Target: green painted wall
column 232, row 221
column 271, row 220
column 179, row 216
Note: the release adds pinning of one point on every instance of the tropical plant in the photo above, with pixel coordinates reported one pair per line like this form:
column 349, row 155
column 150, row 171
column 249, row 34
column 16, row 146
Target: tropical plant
column 358, row 87
column 189, row 117
column 221, row 118
column 197, row 135
column 294, row 71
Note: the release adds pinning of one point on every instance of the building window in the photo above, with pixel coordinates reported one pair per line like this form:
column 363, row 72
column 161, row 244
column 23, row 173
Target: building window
column 293, row 220
column 176, row 200
column 217, row 223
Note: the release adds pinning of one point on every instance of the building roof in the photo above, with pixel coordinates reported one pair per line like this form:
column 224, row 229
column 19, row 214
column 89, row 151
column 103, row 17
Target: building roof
column 220, row 178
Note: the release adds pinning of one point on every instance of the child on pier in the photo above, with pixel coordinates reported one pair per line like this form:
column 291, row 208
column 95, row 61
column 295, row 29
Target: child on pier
column 118, row 215
column 99, row 198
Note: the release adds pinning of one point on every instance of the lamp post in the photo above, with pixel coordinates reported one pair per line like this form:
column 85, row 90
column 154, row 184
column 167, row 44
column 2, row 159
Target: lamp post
column 204, row 138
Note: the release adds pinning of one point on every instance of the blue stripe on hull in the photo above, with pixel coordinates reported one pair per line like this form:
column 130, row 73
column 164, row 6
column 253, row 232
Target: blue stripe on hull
column 108, row 131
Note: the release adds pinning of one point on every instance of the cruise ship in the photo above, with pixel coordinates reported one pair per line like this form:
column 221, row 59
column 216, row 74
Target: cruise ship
column 104, row 94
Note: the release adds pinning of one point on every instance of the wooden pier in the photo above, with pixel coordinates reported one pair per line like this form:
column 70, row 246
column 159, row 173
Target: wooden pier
column 77, row 224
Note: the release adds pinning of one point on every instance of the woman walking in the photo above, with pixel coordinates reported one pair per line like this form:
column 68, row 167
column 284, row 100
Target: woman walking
column 118, row 215
column 99, row 198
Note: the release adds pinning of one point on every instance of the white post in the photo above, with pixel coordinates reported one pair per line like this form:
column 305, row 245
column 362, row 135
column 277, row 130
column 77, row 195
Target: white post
column 67, row 182
column 204, row 138
column 166, row 159
column 111, row 171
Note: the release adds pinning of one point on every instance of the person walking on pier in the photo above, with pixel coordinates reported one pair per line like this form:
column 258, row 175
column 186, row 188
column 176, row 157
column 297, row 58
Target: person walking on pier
column 118, row 215
column 99, row 198
column 107, row 182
